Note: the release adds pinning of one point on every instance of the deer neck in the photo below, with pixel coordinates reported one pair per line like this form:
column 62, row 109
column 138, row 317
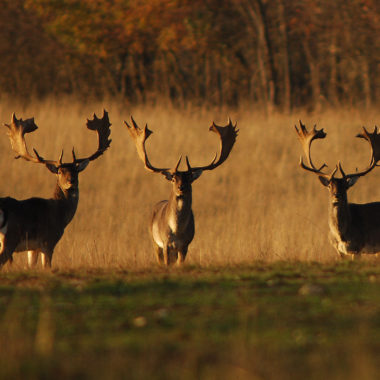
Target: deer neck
column 340, row 218
column 179, row 211
column 67, row 200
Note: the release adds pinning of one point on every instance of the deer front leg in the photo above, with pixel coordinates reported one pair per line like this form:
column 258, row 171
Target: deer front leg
column 32, row 258
column 46, row 259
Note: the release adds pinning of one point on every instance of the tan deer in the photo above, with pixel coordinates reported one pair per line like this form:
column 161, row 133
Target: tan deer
column 36, row 224
column 172, row 223
column 354, row 228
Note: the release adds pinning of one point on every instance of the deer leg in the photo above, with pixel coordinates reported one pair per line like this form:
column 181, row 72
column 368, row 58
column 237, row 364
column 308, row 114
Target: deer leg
column 32, row 258
column 159, row 254
column 166, row 254
column 6, row 255
column 181, row 256
column 2, row 248
column 46, row 259
column 343, row 256
column 2, row 245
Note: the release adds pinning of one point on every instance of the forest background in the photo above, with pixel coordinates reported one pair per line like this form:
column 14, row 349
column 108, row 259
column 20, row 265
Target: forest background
column 275, row 54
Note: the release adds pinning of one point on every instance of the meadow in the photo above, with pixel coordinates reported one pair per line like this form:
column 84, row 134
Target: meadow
column 264, row 321
column 262, row 294
column 259, row 205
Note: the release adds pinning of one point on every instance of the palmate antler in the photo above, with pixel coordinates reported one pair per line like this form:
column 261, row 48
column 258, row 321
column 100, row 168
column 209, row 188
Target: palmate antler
column 306, row 138
column 139, row 136
column 226, row 134
column 18, row 128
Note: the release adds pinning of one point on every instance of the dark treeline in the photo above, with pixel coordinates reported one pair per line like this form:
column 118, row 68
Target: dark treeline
column 276, row 54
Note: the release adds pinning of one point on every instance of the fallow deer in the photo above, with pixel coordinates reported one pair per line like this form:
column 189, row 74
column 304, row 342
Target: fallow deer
column 37, row 224
column 172, row 222
column 354, row 228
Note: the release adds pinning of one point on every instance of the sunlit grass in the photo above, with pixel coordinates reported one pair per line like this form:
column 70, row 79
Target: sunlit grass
column 258, row 205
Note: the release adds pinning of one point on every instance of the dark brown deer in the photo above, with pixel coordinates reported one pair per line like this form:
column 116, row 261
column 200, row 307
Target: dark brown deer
column 37, row 224
column 172, row 223
column 354, row 228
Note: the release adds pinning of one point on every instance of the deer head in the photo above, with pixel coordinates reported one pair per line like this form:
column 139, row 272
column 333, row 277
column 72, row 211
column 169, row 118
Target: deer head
column 337, row 186
column 67, row 173
column 182, row 180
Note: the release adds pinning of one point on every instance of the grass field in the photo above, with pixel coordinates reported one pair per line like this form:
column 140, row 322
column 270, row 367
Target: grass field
column 264, row 321
column 262, row 294
column 258, row 205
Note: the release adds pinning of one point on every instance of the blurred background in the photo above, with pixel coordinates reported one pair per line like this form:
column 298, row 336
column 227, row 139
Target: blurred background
column 274, row 54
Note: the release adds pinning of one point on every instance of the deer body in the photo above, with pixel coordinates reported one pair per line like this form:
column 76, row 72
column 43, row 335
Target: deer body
column 38, row 231
column 172, row 224
column 37, row 224
column 354, row 228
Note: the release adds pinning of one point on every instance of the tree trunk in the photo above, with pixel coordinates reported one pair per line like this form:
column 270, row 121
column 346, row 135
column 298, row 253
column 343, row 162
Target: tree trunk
column 333, row 82
column 253, row 12
column 365, row 82
column 315, row 82
column 286, row 91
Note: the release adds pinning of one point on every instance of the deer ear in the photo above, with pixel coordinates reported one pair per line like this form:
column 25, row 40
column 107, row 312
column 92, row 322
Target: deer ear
column 351, row 181
column 324, row 181
column 83, row 165
column 52, row 168
column 196, row 174
column 167, row 175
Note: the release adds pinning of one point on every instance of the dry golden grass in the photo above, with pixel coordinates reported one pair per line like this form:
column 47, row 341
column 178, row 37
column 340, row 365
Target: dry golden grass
column 259, row 205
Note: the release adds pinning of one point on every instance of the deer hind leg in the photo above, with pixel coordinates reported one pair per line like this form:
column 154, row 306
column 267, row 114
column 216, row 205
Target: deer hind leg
column 166, row 254
column 181, row 256
column 6, row 255
column 3, row 232
column 32, row 258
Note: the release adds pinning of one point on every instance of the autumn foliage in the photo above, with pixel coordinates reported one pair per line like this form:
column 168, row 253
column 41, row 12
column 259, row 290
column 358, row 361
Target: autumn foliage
column 274, row 54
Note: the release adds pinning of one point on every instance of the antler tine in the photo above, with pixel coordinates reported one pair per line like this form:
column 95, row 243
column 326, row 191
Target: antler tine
column 227, row 136
column 331, row 176
column 177, row 165
column 102, row 128
column 189, row 168
column 341, row 169
column 306, row 138
column 139, row 137
column 16, row 132
column 313, row 169
column 374, row 142
column 60, row 157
